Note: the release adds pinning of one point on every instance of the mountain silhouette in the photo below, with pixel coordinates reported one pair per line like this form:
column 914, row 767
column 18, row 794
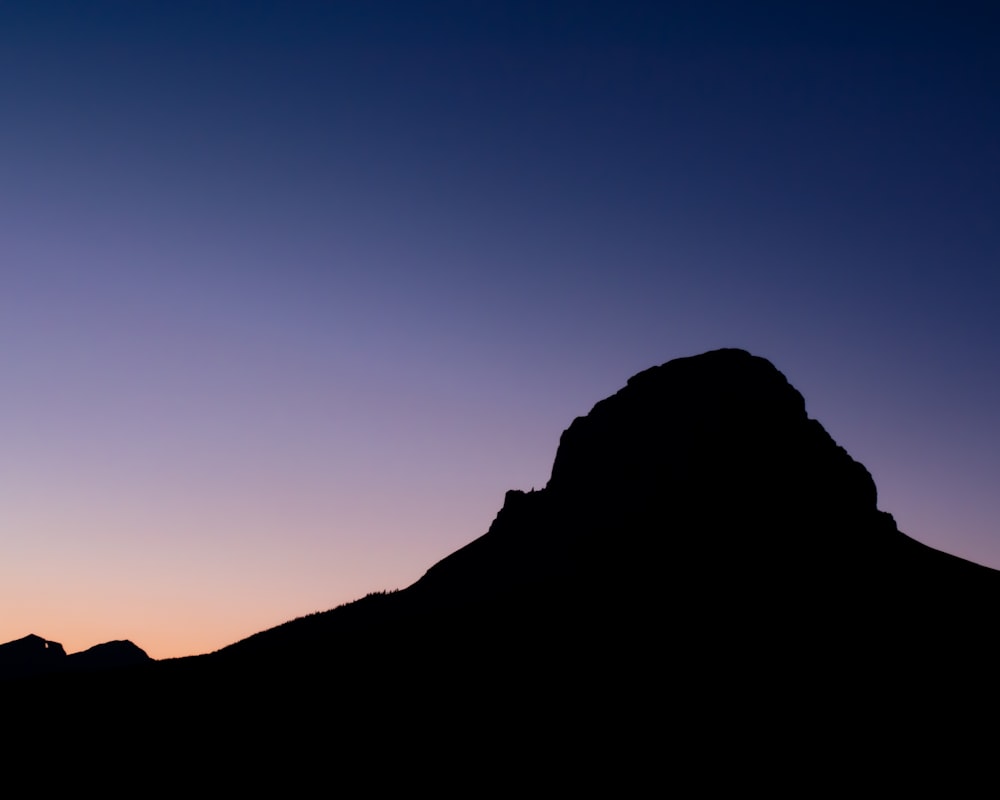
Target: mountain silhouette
column 704, row 559
column 33, row 655
column 700, row 494
column 30, row 655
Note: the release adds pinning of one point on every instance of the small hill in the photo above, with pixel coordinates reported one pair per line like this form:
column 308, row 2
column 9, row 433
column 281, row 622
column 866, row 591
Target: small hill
column 35, row 656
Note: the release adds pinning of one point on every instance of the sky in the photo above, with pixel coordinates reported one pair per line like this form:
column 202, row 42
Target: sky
column 291, row 293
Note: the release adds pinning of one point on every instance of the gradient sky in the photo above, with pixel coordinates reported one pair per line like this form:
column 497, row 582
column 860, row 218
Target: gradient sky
column 292, row 293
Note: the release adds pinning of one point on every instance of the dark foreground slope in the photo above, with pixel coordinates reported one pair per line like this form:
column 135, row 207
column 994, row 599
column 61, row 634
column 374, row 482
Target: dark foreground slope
column 705, row 563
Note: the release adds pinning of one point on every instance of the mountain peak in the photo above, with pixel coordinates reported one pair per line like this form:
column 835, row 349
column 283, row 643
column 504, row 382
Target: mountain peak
column 724, row 423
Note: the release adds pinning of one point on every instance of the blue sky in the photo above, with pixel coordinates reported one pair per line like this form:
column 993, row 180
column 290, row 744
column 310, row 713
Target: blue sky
column 291, row 293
